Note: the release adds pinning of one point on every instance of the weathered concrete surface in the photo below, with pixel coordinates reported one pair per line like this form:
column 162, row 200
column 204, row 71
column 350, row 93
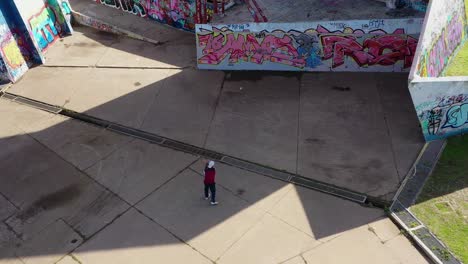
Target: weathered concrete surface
column 138, row 168
column 179, row 53
column 354, row 244
column 69, row 51
column 129, row 22
column 185, row 213
column 316, row 10
column 6, row 208
column 50, row 244
column 80, row 144
column 184, row 108
column 257, row 118
column 134, row 238
column 258, row 220
column 364, row 138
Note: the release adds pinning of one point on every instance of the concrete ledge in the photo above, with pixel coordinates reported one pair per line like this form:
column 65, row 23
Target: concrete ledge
column 406, row 197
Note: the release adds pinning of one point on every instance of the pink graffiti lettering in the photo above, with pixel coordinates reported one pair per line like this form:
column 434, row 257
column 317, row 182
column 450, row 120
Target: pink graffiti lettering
column 247, row 47
column 433, row 62
column 385, row 49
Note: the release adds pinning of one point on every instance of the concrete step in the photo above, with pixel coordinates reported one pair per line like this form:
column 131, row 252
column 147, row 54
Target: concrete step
column 90, row 13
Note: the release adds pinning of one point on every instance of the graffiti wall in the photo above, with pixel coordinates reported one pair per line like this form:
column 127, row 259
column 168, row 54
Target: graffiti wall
column 444, row 30
column 441, row 105
column 183, row 14
column 360, row 45
column 27, row 29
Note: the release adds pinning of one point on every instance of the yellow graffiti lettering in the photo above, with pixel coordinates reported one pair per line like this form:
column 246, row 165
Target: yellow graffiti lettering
column 13, row 55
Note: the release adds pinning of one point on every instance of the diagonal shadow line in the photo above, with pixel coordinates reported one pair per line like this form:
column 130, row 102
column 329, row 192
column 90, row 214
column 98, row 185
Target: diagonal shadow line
column 326, row 216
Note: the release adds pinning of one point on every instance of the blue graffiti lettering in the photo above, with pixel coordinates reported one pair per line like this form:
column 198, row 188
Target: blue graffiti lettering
column 457, row 116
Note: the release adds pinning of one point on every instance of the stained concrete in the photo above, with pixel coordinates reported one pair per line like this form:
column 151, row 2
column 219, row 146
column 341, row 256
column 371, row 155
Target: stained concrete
column 90, row 42
column 257, row 119
column 138, row 168
column 50, row 244
column 354, row 130
column 6, row 208
column 258, row 220
column 155, row 244
column 180, row 207
column 184, row 109
column 316, row 10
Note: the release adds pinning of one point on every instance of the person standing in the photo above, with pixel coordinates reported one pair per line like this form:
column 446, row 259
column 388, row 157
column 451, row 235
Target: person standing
column 210, row 183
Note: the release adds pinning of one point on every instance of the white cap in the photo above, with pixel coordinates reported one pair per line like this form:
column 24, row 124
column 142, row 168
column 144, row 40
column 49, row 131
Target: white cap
column 210, row 164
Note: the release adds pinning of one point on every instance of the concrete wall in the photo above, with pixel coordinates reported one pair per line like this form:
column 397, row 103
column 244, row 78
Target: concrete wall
column 441, row 102
column 27, row 29
column 360, row 45
column 183, row 14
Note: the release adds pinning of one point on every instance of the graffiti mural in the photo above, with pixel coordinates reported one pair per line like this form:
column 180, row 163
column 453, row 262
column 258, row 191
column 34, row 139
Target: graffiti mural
column 434, row 60
column 13, row 64
column 183, row 14
column 62, row 15
column 236, row 47
column 44, row 28
column 444, row 116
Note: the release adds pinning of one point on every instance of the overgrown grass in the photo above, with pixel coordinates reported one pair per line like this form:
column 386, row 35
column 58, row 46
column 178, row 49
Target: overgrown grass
column 443, row 203
column 459, row 65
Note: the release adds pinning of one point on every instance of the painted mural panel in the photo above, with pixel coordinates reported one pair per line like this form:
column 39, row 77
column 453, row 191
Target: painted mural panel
column 361, row 45
column 445, row 29
column 181, row 14
column 12, row 63
column 442, row 106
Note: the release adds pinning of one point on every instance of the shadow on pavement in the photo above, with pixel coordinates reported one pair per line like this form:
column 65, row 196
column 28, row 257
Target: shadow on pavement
column 79, row 188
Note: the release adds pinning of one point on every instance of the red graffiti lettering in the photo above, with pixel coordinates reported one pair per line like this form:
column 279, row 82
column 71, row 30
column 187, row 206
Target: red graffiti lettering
column 385, row 49
column 247, row 47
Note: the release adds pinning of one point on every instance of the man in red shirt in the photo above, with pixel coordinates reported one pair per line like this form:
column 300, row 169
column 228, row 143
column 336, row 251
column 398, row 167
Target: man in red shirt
column 210, row 184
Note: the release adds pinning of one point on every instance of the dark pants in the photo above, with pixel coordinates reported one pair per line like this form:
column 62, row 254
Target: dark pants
column 212, row 188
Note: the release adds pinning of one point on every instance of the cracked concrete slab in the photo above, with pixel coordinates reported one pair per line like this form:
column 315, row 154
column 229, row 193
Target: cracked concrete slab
column 260, row 244
column 133, row 238
column 60, row 191
column 183, row 110
column 93, row 43
column 138, row 168
column 49, row 245
column 179, row 206
column 79, row 143
column 316, row 213
column 385, row 229
column 130, row 53
column 258, row 114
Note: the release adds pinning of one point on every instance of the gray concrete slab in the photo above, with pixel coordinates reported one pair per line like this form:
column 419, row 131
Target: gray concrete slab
column 179, row 206
column 9, row 242
column 402, row 121
column 6, row 208
column 130, row 53
column 354, row 244
column 129, row 22
column 60, row 191
column 49, row 245
column 137, row 169
column 80, row 144
column 118, row 95
column 257, row 119
column 18, row 118
column 330, row 10
column 321, row 216
column 67, row 260
column 51, row 85
column 133, row 238
column 258, row 190
column 69, row 51
column 260, row 244
column 183, row 110
column 343, row 136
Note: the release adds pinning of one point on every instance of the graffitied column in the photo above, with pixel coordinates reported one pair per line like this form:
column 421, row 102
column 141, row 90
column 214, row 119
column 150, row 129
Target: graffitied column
column 12, row 62
column 62, row 12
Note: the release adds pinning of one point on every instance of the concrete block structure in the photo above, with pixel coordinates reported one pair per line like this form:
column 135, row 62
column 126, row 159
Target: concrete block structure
column 441, row 102
column 27, row 30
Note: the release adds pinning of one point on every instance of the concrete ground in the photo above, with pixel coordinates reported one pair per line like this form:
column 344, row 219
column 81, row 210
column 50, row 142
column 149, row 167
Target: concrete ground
column 315, row 10
column 75, row 193
column 354, row 130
